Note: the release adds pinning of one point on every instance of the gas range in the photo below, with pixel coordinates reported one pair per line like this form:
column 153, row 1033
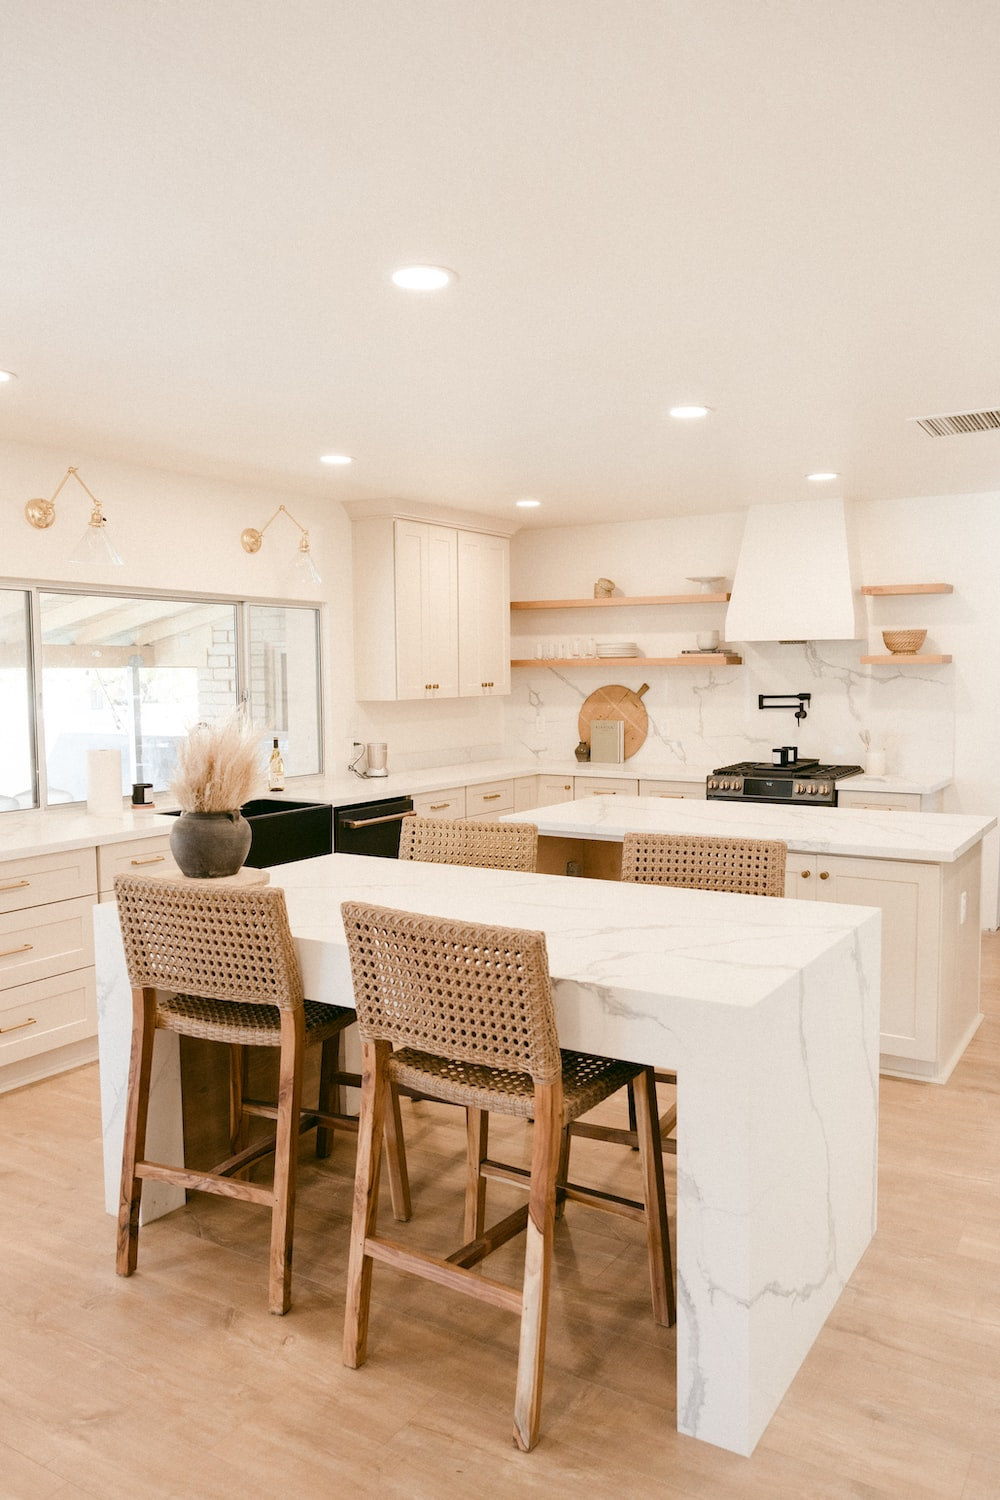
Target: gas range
column 804, row 782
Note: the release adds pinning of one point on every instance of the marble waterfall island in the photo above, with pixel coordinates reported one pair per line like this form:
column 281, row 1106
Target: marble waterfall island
column 768, row 1012
column 923, row 871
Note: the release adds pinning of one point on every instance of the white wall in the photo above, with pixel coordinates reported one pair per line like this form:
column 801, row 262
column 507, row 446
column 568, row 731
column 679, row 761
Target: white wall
column 932, row 721
column 181, row 533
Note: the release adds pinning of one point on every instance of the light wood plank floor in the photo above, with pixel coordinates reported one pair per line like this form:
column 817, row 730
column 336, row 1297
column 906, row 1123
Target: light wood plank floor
column 178, row 1382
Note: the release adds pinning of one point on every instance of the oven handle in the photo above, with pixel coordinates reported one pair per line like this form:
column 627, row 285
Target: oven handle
column 370, row 822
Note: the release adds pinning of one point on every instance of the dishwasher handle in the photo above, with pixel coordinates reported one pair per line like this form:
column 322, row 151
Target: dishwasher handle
column 370, row 822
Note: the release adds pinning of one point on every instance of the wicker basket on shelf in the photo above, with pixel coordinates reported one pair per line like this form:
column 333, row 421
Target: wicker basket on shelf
column 904, row 642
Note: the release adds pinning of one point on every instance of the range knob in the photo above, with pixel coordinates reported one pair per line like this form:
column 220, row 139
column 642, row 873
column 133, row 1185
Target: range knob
column 798, row 789
column 823, row 789
column 814, row 788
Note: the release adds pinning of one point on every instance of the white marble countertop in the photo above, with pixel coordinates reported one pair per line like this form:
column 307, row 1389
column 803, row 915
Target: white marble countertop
column 54, row 829
column 937, row 838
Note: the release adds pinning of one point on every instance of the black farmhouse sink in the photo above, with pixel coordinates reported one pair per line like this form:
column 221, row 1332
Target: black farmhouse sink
column 283, row 832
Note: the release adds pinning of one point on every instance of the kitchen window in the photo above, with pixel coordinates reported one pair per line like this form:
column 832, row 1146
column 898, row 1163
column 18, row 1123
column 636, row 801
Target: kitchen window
column 17, row 759
column 134, row 672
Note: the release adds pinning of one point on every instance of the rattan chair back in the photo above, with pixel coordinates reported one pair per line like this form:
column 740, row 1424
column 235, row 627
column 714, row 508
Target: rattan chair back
column 751, row 867
column 453, row 841
column 461, row 990
column 223, row 943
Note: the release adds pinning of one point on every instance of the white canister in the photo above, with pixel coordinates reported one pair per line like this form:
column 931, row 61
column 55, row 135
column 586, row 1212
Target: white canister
column 104, row 782
column 875, row 763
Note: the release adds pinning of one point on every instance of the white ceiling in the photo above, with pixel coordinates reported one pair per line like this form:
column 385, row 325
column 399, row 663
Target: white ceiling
column 786, row 209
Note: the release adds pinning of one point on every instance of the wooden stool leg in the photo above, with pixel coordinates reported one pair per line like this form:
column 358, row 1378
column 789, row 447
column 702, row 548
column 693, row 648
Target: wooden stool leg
column 286, row 1154
column 329, row 1091
column 661, row 1278
column 239, row 1122
column 371, row 1120
column 545, row 1149
column 477, row 1135
column 395, row 1151
column 136, row 1113
column 563, row 1172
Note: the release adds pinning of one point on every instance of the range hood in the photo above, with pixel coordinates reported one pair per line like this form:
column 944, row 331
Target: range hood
column 795, row 579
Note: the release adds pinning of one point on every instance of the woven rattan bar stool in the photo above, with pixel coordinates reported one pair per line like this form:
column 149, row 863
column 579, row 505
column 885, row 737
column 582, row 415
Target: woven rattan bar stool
column 218, row 962
column 457, row 841
column 464, row 1012
column 748, row 867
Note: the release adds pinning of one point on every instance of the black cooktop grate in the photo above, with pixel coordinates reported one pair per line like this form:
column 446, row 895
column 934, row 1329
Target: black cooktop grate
column 803, row 770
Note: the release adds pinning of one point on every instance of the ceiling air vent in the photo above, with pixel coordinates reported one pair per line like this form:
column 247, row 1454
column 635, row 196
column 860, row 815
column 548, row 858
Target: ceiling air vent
column 953, row 423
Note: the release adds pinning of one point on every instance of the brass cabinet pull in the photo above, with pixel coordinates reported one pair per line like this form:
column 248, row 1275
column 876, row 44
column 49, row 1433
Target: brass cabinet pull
column 439, row 806
column 14, row 885
column 805, row 874
column 17, row 1025
column 824, row 874
column 24, row 948
column 491, row 796
column 150, row 859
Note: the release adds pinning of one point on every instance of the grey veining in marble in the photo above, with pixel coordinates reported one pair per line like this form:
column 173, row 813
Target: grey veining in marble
column 769, row 1013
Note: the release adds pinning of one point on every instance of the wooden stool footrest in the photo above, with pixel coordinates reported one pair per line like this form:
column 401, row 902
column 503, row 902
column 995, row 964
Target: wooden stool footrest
column 444, row 1274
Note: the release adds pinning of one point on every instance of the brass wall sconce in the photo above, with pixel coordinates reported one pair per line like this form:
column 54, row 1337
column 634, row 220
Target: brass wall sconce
column 95, row 546
column 303, row 566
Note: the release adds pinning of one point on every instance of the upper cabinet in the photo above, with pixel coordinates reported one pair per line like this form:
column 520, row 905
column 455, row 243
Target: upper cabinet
column 483, row 614
column 431, row 610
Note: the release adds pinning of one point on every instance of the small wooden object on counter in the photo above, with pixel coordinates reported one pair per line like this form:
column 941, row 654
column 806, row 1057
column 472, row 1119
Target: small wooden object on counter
column 618, row 702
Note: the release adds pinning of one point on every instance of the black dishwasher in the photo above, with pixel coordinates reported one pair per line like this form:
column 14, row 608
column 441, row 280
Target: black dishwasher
column 370, row 827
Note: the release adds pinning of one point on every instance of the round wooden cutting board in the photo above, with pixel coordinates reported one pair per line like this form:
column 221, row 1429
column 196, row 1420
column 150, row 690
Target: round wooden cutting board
column 617, row 702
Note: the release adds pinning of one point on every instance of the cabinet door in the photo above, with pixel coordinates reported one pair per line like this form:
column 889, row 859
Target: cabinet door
column 483, row 615
column 525, row 793
column 553, row 789
column 426, row 560
column 909, row 898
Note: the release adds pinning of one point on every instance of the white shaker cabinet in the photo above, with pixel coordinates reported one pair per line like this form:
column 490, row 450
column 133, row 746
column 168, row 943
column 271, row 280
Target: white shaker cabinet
column 930, row 948
column 431, row 611
column 483, row 615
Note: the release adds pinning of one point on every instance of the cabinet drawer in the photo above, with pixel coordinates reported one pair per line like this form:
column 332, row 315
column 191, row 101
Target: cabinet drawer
column 882, row 801
column 489, row 797
column 447, row 804
column 50, row 1013
column 597, row 786
column 47, row 877
column 149, row 856
column 672, row 789
column 46, row 940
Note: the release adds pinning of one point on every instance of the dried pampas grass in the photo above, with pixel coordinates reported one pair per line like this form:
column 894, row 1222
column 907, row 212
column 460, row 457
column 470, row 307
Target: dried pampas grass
column 219, row 766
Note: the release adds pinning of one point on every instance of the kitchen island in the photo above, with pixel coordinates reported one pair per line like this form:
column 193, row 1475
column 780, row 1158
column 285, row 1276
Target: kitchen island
column 768, row 1012
column 922, row 870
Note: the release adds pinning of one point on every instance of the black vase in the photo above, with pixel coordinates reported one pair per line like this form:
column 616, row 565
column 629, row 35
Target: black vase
column 206, row 846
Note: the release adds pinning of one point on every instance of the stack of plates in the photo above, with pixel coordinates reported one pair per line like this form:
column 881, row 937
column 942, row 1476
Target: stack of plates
column 617, row 648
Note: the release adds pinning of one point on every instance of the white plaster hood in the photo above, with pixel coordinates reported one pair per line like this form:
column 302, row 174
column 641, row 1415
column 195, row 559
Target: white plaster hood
column 795, row 579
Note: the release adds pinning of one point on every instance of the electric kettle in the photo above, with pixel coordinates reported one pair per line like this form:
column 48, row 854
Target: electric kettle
column 374, row 756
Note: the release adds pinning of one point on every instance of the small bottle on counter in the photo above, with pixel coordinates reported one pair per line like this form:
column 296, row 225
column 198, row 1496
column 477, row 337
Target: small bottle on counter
column 276, row 770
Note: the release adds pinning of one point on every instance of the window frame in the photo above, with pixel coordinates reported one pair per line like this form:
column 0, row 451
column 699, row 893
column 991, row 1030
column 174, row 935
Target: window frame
column 242, row 604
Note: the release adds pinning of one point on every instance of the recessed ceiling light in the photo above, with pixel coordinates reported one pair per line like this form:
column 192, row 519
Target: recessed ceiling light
column 527, row 504
column 689, row 413
column 822, row 476
column 423, row 278
column 336, row 458
column 7, row 375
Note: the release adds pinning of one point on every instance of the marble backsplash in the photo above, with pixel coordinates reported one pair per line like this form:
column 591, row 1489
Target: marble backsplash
column 707, row 716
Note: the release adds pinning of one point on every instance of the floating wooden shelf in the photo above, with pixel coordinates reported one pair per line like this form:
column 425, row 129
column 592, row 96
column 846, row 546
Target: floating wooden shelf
column 691, row 659
column 909, row 588
column 617, row 601
column 904, row 659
